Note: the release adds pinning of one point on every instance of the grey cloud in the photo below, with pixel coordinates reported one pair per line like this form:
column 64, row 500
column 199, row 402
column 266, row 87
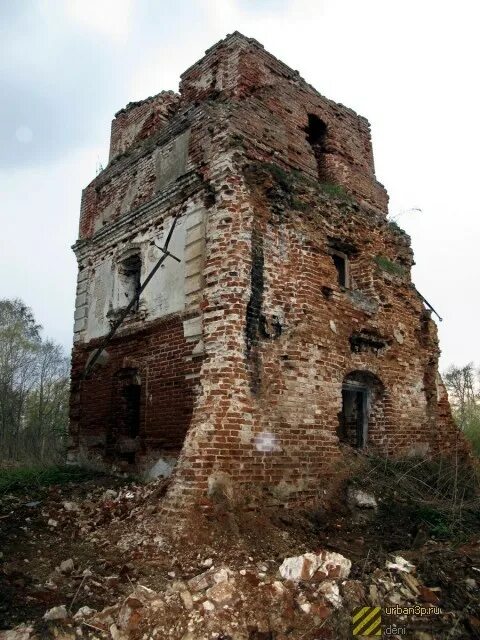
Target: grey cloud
column 63, row 82
column 63, row 101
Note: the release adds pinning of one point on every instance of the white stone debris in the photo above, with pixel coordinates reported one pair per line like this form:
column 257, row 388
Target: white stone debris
column 187, row 600
column 331, row 593
column 400, row 564
column 56, row 613
column 71, row 506
column 84, row 612
column 22, row 632
column 361, row 499
column 326, row 564
column 471, row 583
column 66, row 566
column 221, row 592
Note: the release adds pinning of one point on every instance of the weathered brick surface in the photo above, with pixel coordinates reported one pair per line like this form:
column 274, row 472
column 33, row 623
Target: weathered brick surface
column 168, row 374
column 139, row 120
column 250, row 391
column 269, row 103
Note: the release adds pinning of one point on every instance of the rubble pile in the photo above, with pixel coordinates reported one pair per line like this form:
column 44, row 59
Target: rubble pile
column 224, row 577
column 221, row 603
column 103, row 506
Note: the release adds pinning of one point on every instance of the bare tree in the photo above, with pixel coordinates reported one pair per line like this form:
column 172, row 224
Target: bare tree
column 461, row 384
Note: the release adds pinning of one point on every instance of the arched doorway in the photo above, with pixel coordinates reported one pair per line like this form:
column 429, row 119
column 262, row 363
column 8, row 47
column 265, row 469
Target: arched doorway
column 126, row 414
column 361, row 419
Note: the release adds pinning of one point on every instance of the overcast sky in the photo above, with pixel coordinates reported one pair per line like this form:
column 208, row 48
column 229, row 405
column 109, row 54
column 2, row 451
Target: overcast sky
column 410, row 67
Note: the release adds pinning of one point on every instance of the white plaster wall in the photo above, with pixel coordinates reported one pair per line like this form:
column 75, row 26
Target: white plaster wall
column 164, row 294
column 175, row 287
column 171, row 160
column 100, row 293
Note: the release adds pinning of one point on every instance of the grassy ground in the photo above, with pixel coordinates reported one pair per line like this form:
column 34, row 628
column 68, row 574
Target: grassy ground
column 21, row 479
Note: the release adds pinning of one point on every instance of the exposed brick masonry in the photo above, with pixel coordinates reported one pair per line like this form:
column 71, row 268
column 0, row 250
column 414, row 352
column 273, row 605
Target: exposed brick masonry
column 299, row 326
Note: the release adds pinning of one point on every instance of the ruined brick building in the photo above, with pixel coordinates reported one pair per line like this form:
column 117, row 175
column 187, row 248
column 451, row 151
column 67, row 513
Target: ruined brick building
column 289, row 331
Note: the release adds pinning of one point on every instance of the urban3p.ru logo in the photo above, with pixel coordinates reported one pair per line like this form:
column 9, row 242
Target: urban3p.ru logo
column 367, row 622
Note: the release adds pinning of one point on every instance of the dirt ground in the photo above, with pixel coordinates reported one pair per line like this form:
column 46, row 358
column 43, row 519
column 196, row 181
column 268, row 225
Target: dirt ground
column 112, row 535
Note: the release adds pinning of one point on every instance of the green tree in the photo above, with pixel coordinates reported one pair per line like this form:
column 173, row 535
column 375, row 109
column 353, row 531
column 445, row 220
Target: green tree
column 46, row 411
column 33, row 387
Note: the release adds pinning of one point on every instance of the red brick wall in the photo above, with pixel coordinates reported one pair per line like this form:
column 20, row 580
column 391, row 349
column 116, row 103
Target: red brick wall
column 130, row 180
column 130, row 188
column 278, row 330
column 280, row 335
column 269, row 104
column 261, row 101
column 163, row 358
column 139, row 120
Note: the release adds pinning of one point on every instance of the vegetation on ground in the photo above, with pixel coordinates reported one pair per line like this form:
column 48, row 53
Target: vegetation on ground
column 25, row 479
column 434, row 497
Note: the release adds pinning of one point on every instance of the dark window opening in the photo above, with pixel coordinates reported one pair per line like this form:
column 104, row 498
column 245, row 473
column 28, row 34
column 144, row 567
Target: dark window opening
column 316, row 134
column 131, row 269
column 354, row 416
column 340, row 262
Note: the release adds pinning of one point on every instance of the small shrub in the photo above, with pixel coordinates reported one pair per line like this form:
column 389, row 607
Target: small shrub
column 396, row 228
column 293, row 180
column 334, row 190
column 236, row 140
column 284, row 179
column 389, row 266
column 298, row 204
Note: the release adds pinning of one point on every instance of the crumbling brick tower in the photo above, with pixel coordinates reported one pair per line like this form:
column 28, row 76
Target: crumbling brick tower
column 290, row 329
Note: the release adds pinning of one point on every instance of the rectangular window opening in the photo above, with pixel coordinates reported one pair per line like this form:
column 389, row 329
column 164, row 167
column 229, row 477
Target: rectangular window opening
column 340, row 261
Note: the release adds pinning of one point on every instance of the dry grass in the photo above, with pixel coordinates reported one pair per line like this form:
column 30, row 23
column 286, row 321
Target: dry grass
column 441, row 494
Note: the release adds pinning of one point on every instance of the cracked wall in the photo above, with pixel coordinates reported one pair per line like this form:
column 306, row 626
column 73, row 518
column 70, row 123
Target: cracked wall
column 292, row 284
